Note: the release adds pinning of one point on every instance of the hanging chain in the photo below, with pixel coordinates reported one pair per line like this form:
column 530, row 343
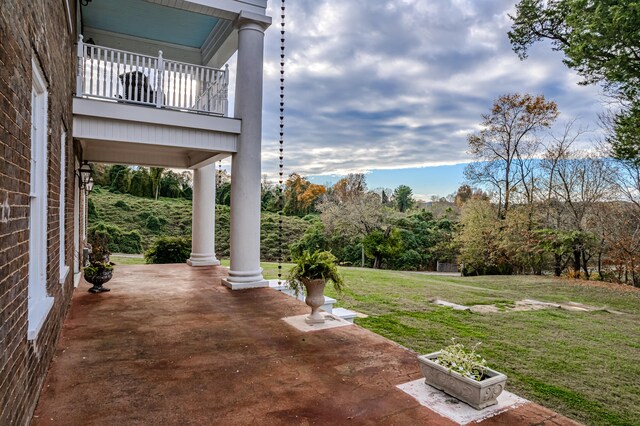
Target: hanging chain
column 281, row 147
column 219, row 175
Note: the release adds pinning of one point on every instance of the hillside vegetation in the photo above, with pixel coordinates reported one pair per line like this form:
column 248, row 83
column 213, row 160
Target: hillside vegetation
column 135, row 222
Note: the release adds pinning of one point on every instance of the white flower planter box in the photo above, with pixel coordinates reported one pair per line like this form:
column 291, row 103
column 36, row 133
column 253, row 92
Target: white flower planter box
column 478, row 394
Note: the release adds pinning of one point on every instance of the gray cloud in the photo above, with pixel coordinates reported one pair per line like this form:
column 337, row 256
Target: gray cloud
column 377, row 84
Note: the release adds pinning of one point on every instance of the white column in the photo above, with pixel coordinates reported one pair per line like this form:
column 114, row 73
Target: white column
column 204, row 219
column 245, row 271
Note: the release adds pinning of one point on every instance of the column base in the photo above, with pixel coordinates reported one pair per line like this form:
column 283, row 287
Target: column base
column 241, row 286
column 240, row 280
column 202, row 260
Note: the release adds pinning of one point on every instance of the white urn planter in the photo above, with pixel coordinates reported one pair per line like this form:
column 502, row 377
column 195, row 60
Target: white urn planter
column 314, row 299
column 312, row 271
column 478, row 394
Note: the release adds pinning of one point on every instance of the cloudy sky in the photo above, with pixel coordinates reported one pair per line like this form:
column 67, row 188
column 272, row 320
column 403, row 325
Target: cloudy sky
column 393, row 88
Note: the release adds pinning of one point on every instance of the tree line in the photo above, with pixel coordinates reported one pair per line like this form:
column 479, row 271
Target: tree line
column 379, row 228
column 150, row 182
column 552, row 206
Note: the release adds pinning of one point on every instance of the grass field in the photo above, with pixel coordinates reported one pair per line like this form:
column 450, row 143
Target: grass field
column 585, row 365
column 126, row 260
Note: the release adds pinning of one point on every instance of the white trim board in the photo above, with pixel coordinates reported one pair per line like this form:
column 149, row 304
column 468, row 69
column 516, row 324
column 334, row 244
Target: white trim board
column 38, row 302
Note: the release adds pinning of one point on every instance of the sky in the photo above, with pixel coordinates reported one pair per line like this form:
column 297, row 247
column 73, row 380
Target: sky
column 393, row 88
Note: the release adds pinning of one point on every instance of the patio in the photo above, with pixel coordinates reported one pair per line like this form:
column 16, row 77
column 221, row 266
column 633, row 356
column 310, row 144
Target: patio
column 171, row 345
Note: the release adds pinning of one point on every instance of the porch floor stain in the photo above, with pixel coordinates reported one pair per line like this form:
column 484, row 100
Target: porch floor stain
column 170, row 345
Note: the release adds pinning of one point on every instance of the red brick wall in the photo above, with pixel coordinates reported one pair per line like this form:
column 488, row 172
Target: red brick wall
column 32, row 29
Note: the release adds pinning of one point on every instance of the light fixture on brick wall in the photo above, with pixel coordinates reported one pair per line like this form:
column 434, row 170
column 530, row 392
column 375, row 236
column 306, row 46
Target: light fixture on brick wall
column 85, row 173
column 88, row 187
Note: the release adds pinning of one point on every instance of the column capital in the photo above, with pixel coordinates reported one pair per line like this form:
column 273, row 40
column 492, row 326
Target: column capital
column 252, row 20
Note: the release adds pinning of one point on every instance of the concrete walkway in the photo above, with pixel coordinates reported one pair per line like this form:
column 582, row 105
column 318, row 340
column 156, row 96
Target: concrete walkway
column 169, row 345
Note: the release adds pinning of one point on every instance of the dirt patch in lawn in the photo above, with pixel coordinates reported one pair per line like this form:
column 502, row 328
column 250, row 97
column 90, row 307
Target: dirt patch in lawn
column 524, row 305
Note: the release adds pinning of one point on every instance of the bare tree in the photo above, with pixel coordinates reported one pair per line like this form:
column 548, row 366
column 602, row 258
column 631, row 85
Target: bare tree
column 580, row 181
column 355, row 216
column 507, row 142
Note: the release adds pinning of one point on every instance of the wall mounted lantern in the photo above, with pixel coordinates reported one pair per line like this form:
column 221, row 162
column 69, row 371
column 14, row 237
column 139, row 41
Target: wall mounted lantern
column 88, row 187
column 85, row 173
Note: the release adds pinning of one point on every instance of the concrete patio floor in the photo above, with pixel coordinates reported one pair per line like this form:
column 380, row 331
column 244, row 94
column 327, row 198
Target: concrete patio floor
column 169, row 345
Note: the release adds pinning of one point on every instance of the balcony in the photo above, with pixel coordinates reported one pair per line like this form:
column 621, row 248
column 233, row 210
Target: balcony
column 132, row 108
column 152, row 84
column 119, row 76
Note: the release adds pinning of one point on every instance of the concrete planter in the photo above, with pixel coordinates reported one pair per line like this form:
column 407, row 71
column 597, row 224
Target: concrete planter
column 477, row 394
column 315, row 299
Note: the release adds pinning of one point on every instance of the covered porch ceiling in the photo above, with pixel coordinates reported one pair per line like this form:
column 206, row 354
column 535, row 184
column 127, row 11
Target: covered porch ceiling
column 112, row 132
column 148, row 155
column 197, row 32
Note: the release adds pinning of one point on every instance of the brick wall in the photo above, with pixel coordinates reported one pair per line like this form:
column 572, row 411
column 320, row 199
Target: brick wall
column 31, row 29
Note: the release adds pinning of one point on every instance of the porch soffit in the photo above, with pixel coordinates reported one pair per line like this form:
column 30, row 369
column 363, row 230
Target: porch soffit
column 151, row 21
column 196, row 31
column 148, row 155
column 125, row 134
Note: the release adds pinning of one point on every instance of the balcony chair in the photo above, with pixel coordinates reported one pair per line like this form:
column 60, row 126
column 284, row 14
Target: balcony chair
column 136, row 87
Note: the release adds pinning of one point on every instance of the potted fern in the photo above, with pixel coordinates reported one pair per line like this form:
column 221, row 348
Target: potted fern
column 463, row 374
column 311, row 271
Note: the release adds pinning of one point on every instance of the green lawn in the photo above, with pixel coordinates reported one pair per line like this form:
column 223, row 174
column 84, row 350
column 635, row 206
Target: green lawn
column 585, row 365
column 126, row 260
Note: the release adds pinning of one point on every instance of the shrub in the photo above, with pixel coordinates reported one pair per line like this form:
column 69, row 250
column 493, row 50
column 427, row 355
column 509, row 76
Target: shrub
column 153, row 223
column 130, row 242
column 123, row 205
column 91, row 210
column 119, row 241
column 409, row 260
column 313, row 240
column 169, row 250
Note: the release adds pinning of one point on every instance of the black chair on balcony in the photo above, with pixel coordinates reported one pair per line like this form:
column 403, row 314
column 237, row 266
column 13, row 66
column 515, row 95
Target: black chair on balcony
column 136, row 87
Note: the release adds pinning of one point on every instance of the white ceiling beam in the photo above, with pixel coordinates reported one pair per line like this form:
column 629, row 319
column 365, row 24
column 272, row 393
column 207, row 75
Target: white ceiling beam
column 207, row 161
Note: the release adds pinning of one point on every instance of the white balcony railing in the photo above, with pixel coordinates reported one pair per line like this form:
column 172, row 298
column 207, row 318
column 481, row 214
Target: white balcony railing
column 140, row 79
